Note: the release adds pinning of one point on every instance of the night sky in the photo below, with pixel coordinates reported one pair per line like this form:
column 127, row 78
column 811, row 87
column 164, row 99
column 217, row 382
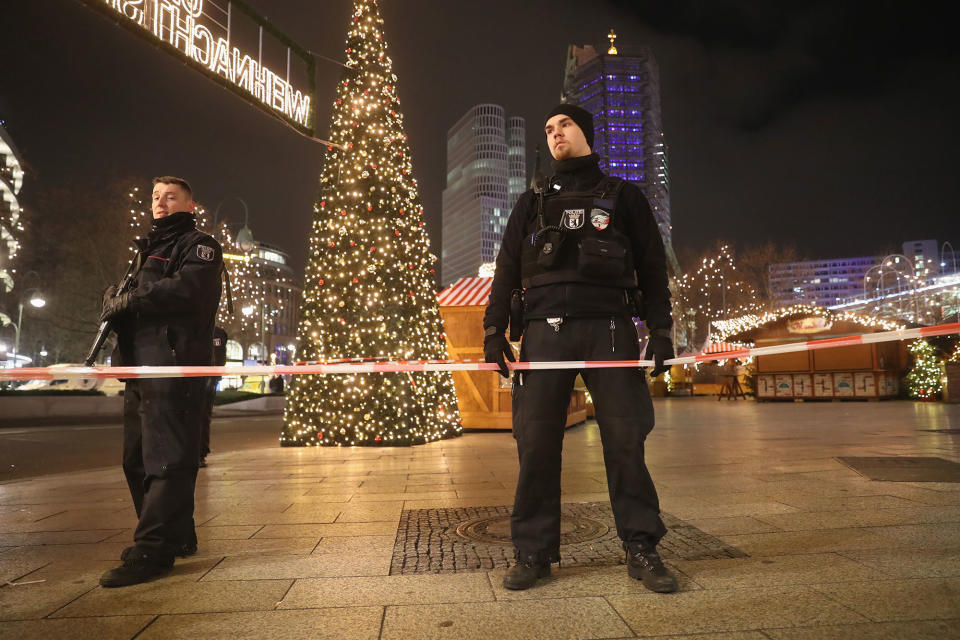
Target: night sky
column 829, row 125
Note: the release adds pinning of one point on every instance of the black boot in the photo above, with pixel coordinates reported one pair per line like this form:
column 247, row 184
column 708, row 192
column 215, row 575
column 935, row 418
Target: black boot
column 137, row 567
column 524, row 575
column 644, row 563
column 184, row 550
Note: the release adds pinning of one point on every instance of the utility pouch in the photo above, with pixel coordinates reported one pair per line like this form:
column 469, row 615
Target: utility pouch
column 637, row 303
column 601, row 258
column 548, row 245
column 516, row 315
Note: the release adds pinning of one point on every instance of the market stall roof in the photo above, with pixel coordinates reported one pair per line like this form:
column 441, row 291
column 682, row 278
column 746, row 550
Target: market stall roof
column 733, row 329
column 466, row 292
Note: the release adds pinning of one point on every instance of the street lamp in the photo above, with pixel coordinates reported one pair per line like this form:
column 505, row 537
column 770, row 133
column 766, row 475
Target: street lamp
column 249, row 311
column 953, row 255
column 36, row 301
column 245, row 235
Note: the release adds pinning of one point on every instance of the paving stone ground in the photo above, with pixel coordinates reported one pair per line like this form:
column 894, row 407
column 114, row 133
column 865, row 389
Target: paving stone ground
column 478, row 538
column 772, row 537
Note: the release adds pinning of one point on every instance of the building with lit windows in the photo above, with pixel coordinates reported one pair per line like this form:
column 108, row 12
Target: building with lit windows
column 622, row 91
column 486, row 173
column 820, row 283
column 848, row 281
column 266, row 302
column 11, row 180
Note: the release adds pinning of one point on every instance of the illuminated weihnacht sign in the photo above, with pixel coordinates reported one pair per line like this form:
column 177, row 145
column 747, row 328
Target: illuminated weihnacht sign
column 202, row 32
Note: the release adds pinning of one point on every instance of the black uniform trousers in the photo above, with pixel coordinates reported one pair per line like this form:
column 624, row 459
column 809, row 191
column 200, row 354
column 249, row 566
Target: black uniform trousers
column 624, row 412
column 161, row 450
column 206, row 417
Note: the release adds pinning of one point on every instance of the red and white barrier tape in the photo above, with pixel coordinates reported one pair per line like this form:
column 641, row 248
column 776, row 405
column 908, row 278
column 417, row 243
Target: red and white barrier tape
column 59, row 373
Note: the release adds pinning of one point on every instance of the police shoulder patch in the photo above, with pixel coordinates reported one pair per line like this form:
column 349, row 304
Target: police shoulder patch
column 600, row 219
column 205, row 253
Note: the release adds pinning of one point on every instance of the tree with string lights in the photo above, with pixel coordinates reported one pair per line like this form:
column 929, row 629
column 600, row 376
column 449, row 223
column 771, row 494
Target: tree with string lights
column 713, row 290
column 923, row 380
column 369, row 285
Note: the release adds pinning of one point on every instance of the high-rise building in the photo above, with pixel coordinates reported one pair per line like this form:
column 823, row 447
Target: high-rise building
column 819, row 283
column 622, row 91
column 925, row 256
column 486, row 173
column 851, row 283
column 11, row 180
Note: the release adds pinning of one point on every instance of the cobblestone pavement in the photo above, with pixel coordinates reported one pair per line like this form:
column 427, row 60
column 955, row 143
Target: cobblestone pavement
column 772, row 537
column 478, row 538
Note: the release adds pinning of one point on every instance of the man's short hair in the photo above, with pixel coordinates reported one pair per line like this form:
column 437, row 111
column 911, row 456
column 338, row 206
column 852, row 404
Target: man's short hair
column 180, row 182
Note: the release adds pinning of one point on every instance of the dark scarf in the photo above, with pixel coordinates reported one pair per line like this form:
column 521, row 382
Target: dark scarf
column 171, row 226
column 580, row 173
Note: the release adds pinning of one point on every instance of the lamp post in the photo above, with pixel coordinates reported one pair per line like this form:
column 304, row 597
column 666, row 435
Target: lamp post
column 245, row 235
column 37, row 301
column 953, row 255
column 249, row 311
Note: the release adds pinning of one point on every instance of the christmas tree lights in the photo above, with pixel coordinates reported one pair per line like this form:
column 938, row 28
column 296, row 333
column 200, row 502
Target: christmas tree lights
column 369, row 285
column 923, row 381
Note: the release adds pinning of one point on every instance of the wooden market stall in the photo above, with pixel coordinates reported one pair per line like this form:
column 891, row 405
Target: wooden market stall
column 484, row 397
column 863, row 371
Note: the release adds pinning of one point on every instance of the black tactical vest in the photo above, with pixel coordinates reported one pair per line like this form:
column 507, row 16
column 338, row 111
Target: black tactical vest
column 576, row 241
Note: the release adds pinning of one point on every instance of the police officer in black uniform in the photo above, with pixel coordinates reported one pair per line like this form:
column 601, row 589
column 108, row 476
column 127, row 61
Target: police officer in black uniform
column 578, row 254
column 166, row 319
column 219, row 359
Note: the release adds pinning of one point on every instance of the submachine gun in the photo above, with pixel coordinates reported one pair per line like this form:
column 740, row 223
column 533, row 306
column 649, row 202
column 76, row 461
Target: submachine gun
column 107, row 325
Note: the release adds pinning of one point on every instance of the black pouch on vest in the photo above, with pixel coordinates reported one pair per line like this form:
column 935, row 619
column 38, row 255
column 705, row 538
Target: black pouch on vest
column 516, row 315
column 549, row 243
column 601, row 258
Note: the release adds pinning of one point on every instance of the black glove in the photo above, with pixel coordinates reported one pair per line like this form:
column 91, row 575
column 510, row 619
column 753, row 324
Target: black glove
column 495, row 349
column 659, row 348
column 109, row 293
column 116, row 306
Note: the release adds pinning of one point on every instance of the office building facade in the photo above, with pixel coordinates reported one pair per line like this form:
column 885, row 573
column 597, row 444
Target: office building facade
column 486, row 173
column 819, row 283
column 846, row 281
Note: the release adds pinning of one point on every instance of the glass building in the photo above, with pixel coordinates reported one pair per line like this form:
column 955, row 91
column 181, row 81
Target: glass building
column 623, row 94
column 486, row 173
column 11, row 180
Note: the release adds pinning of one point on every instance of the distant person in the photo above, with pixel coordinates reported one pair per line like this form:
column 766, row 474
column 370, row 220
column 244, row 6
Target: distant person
column 580, row 247
column 276, row 384
column 166, row 319
column 219, row 359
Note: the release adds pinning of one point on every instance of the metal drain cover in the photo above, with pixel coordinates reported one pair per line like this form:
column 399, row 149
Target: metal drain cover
column 496, row 530
column 457, row 539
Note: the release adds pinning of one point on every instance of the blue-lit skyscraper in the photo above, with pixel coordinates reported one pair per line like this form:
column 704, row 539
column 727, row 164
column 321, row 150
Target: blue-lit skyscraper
column 623, row 94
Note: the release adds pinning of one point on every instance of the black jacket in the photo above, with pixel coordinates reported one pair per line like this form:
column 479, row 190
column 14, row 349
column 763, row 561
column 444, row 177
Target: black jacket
column 632, row 217
column 219, row 346
column 173, row 308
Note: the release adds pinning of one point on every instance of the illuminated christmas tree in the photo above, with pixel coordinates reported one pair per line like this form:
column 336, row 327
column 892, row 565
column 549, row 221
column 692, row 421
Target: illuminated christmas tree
column 369, row 285
column 923, row 381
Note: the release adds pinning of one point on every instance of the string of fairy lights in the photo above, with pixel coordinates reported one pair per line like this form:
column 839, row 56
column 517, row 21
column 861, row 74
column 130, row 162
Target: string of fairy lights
column 369, row 285
column 715, row 290
column 725, row 329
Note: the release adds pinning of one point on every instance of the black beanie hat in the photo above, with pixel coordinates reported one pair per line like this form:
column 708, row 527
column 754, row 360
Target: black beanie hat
column 579, row 115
